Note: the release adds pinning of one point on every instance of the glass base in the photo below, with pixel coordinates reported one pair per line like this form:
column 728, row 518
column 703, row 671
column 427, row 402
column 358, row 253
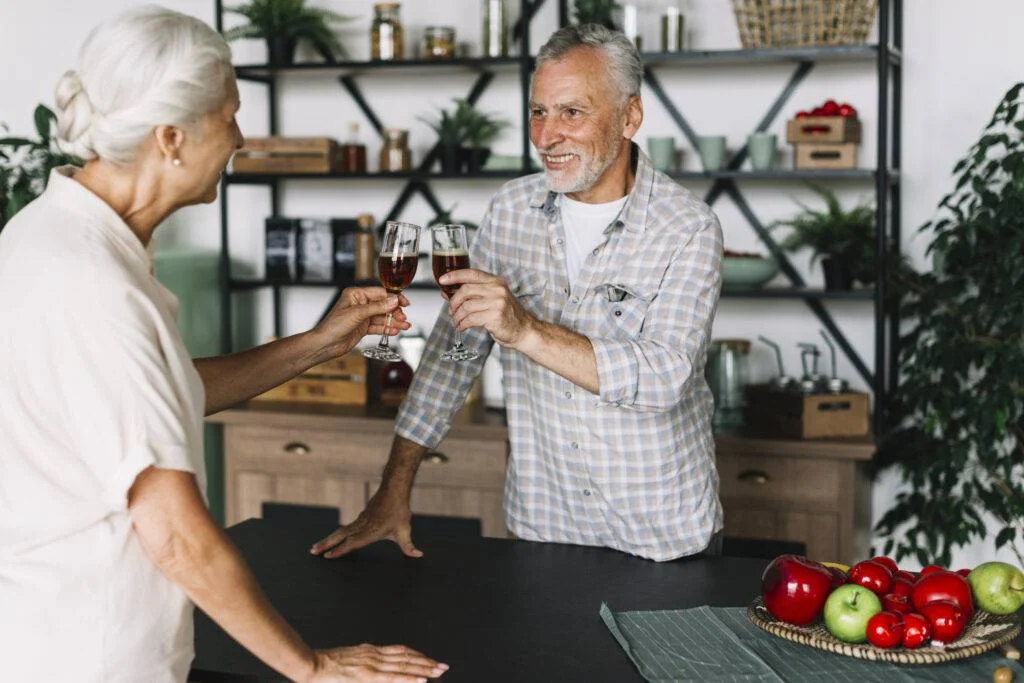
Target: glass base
column 459, row 353
column 382, row 354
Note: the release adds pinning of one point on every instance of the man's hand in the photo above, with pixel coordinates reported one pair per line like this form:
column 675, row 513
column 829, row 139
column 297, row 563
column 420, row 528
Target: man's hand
column 386, row 517
column 374, row 664
column 361, row 311
column 484, row 300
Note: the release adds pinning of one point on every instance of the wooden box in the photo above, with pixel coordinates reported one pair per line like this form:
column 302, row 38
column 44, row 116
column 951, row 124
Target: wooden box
column 825, row 155
column 823, row 129
column 286, row 155
column 798, row 416
column 341, row 381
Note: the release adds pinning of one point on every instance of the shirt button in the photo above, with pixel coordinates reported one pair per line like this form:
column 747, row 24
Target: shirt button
column 565, row 290
column 575, row 300
column 586, row 492
column 597, row 251
column 575, row 445
column 561, row 241
column 618, row 311
column 568, row 394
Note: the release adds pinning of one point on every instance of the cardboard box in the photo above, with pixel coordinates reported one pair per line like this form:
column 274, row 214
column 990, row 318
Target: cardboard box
column 817, row 129
column 341, row 381
column 796, row 416
column 278, row 154
column 825, row 156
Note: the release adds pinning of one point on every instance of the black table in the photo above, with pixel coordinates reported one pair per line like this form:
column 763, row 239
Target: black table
column 495, row 610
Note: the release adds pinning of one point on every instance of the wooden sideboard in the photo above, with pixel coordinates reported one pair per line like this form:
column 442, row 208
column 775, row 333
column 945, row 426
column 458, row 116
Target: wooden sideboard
column 812, row 492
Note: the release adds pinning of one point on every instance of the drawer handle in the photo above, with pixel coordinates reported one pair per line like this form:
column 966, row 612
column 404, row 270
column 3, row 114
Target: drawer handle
column 297, row 448
column 436, row 457
column 758, row 477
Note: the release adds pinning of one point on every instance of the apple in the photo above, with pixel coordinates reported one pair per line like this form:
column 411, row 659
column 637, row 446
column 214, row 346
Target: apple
column 887, row 562
column 885, row 629
column 847, row 111
column 945, row 618
column 795, row 588
column 929, row 569
column 943, row 585
column 871, row 575
column 997, row 587
column 830, row 108
column 892, row 602
column 839, row 577
column 905, row 575
column 900, row 586
column 916, row 630
column 963, row 572
column 847, row 611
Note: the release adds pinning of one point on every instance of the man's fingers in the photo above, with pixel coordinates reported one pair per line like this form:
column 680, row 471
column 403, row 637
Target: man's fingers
column 404, row 540
column 466, row 276
column 329, row 541
column 355, row 541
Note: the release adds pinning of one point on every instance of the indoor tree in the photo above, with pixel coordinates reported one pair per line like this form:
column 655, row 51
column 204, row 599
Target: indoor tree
column 957, row 416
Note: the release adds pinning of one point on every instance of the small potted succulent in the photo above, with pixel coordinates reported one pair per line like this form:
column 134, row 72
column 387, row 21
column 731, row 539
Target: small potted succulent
column 283, row 23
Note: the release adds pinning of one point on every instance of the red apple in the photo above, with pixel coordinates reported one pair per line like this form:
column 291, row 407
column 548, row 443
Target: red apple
column 872, row 575
column 911, row 577
column 930, row 569
column 963, row 572
column 887, row 562
column 830, row 108
column 945, row 618
column 802, row 114
column 900, row 586
column 839, row 577
column 847, row 111
column 943, row 585
column 897, row 603
column 916, row 631
column 795, row 588
column 885, row 629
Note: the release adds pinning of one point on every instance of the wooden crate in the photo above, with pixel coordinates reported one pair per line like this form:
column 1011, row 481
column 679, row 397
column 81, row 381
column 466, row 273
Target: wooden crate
column 823, row 129
column 277, row 154
column 797, row 416
column 341, row 381
column 808, row 156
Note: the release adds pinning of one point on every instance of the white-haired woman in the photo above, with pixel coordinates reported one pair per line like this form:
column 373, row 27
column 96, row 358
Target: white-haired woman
column 105, row 540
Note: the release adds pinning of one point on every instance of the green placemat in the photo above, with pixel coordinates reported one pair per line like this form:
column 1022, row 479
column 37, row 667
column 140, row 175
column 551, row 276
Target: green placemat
column 720, row 644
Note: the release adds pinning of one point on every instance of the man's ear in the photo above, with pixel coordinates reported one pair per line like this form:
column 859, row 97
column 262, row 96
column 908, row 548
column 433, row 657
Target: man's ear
column 633, row 116
column 169, row 140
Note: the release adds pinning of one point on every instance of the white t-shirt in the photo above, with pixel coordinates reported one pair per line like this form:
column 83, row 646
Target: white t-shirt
column 584, row 229
column 95, row 386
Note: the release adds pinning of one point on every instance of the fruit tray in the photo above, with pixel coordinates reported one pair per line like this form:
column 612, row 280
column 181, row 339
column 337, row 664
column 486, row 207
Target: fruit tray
column 985, row 632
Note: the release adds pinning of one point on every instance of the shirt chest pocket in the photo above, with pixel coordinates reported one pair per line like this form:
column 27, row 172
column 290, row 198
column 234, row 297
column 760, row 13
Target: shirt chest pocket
column 529, row 289
column 623, row 309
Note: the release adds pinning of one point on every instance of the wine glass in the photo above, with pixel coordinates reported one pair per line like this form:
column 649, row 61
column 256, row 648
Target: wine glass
column 451, row 252
column 396, row 267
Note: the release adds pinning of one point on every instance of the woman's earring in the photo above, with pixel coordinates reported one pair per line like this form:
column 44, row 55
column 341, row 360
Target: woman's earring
column 176, row 161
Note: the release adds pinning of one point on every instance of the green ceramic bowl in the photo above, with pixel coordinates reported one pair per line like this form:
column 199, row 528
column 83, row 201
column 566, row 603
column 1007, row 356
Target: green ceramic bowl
column 747, row 273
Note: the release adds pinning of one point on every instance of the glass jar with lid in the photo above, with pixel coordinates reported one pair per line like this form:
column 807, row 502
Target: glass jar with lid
column 439, row 42
column 387, row 38
column 394, row 154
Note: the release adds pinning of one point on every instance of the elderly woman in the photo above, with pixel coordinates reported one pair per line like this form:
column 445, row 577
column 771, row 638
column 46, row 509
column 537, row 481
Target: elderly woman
column 105, row 540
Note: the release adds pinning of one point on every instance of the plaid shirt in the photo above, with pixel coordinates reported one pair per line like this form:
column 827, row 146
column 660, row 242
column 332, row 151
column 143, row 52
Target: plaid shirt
column 634, row 467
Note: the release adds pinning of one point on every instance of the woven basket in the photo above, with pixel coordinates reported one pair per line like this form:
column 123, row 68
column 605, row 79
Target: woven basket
column 985, row 632
column 789, row 23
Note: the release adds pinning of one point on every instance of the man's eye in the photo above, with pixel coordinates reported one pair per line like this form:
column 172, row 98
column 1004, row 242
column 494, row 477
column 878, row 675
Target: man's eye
column 536, row 113
column 571, row 112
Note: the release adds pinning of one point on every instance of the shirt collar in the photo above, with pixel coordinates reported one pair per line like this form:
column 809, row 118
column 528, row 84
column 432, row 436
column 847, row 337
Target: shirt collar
column 634, row 214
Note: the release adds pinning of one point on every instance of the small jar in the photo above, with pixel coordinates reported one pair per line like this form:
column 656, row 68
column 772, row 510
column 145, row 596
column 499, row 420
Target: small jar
column 386, row 35
column 394, row 154
column 439, row 42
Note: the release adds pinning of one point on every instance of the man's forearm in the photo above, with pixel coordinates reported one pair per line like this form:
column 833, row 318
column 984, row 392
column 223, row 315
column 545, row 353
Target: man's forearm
column 562, row 351
column 400, row 470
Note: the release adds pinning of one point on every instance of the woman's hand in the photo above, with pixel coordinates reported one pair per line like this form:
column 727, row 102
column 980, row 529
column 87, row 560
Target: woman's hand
column 361, row 311
column 374, row 664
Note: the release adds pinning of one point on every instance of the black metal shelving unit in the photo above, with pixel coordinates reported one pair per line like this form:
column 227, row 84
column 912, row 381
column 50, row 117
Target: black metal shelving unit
column 885, row 56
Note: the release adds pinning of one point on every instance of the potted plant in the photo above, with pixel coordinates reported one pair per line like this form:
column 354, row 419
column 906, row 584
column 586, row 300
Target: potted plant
column 957, row 416
column 283, row 23
column 451, row 132
column 843, row 240
column 25, row 164
column 480, row 129
column 595, row 12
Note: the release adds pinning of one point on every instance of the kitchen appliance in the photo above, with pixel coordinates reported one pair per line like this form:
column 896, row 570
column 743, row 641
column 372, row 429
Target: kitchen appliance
column 726, row 374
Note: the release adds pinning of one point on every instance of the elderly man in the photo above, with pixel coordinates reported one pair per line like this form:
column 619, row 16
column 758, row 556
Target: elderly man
column 599, row 279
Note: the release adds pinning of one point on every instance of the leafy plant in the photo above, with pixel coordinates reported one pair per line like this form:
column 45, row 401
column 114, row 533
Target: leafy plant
column 25, row 164
column 957, row 417
column 289, row 20
column 595, row 12
column 466, row 125
column 445, row 218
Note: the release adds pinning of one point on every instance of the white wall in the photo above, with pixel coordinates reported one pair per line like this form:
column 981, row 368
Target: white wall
column 959, row 60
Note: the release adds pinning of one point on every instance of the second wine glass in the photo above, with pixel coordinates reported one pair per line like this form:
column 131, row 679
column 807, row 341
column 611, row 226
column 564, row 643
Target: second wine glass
column 451, row 252
column 396, row 267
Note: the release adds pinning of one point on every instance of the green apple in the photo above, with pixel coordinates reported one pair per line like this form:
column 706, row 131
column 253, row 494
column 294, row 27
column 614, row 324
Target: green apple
column 997, row 587
column 847, row 611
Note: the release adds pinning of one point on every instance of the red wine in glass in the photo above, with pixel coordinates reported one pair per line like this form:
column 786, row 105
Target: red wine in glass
column 450, row 251
column 396, row 267
column 447, row 261
column 397, row 272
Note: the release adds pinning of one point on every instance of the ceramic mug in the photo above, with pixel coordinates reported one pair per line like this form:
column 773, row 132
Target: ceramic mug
column 761, row 148
column 662, row 151
column 712, row 151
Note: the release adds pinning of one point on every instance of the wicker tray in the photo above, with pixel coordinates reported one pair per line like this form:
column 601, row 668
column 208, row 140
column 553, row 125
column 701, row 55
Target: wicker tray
column 985, row 632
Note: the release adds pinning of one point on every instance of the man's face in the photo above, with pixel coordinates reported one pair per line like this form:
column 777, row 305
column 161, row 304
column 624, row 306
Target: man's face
column 579, row 126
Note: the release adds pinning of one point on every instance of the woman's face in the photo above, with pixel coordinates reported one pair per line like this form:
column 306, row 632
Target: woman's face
column 206, row 153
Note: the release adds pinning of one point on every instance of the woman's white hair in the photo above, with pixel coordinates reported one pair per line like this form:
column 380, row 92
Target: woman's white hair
column 146, row 67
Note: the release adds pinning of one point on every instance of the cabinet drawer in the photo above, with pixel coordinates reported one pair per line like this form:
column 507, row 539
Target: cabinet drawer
column 819, row 532
column 780, row 481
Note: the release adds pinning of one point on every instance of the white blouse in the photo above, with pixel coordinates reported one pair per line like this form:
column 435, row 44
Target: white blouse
column 95, row 386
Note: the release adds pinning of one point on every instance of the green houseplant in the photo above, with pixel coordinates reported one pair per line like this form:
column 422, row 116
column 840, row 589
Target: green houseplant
column 464, row 135
column 25, row 164
column 283, row 23
column 595, row 12
column 450, row 134
column 957, row 417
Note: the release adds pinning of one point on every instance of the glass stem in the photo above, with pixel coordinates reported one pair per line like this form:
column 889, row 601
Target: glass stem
column 383, row 343
column 458, row 337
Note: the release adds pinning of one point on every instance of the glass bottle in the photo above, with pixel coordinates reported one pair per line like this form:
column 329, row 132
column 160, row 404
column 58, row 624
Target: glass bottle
column 394, row 154
column 494, row 38
column 353, row 152
column 387, row 39
column 673, row 26
column 365, row 248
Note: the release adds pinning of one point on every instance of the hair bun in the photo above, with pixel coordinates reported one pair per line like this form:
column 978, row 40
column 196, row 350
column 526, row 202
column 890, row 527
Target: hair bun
column 75, row 116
